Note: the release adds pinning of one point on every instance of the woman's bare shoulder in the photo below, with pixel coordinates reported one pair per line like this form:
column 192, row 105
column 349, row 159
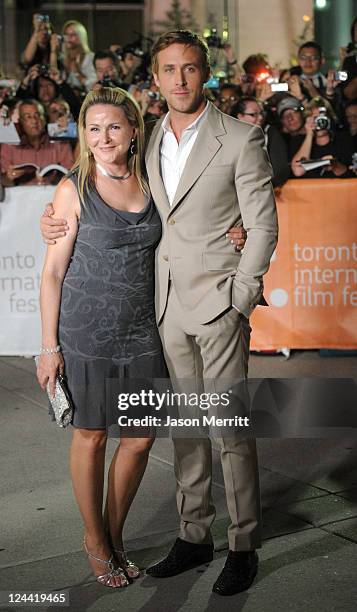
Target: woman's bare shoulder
column 66, row 197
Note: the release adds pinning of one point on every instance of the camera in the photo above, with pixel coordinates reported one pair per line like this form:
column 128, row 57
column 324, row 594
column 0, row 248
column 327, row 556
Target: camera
column 44, row 69
column 213, row 40
column 275, row 85
column 119, row 53
column 144, row 85
column 134, row 50
column 43, row 18
column 322, row 121
column 107, row 81
column 154, row 95
column 340, row 75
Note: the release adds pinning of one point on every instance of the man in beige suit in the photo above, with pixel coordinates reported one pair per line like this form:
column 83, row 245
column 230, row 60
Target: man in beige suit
column 208, row 171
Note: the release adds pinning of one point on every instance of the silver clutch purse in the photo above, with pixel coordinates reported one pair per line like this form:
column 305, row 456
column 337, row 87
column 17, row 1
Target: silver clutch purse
column 61, row 403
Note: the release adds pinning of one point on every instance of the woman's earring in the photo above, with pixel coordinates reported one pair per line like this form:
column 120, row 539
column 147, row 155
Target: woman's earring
column 133, row 147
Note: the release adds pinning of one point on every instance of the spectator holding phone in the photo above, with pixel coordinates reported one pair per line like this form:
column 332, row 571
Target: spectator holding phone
column 43, row 47
column 307, row 80
column 311, row 81
column 107, row 69
column 322, row 141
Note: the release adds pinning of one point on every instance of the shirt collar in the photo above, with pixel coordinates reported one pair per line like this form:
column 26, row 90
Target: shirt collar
column 24, row 141
column 312, row 76
column 166, row 126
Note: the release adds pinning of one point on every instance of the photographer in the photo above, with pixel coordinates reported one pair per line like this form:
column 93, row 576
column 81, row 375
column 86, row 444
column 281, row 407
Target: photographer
column 59, row 112
column 106, row 64
column 292, row 123
column 307, row 81
column 322, row 142
column 228, row 96
column 223, row 61
column 251, row 110
column 45, row 85
column 43, row 46
column 132, row 64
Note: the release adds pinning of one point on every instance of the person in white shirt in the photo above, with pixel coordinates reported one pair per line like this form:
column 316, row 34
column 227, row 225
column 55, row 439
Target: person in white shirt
column 78, row 58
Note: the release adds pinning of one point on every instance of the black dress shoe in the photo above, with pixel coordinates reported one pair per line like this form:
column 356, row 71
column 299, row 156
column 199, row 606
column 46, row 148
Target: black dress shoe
column 182, row 556
column 238, row 573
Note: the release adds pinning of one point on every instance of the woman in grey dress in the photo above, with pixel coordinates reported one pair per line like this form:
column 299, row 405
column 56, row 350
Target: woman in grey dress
column 98, row 320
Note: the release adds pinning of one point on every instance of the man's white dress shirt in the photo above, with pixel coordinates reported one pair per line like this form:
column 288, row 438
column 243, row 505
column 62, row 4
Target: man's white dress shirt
column 173, row 154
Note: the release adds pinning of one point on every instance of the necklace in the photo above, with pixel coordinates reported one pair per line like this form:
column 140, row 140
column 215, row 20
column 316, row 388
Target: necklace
column 112, row 176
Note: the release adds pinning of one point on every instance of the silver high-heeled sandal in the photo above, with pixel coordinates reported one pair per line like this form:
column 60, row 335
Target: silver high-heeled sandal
column 107, row 579
column 131, row 569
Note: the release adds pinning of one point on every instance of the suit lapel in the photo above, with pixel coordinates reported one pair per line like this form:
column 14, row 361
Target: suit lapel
column 153, row 166
column 205, row 148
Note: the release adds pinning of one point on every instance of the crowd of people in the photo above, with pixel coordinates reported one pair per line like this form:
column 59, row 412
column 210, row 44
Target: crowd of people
column 304, row 113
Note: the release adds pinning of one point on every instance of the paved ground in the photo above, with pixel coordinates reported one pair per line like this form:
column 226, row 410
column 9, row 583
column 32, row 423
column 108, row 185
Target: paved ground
column 309, row 493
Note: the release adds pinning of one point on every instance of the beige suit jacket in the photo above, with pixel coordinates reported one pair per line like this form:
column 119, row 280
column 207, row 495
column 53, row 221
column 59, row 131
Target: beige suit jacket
column 226, row 182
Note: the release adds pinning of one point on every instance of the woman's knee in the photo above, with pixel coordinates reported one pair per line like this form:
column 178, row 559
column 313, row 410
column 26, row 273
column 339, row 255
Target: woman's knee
column 92, row 439
column 137, row 445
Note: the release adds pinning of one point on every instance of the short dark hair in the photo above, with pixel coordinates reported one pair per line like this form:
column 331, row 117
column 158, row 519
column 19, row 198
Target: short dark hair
column 105, row 54
column 311, row 44
column 255, row 63
column 180, row 37
column 233, row 86
column 37, row 81
column 240, row 106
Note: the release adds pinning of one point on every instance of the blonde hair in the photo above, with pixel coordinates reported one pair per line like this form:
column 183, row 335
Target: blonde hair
column 320, row 102
column 85, row 164
column 82, row 33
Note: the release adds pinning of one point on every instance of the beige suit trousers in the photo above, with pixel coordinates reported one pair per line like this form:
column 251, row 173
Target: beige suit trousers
column 218, row 352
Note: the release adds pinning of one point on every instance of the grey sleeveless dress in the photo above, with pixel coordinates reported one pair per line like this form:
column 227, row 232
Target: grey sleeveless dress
column 107, row 327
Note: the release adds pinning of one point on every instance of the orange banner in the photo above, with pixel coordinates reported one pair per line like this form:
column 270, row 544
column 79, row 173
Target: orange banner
column 311, row 285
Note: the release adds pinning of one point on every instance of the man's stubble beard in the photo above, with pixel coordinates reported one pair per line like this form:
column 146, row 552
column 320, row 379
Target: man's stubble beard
column 186, row 107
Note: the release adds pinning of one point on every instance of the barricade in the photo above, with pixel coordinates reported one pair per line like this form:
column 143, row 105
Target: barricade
column 311, row 285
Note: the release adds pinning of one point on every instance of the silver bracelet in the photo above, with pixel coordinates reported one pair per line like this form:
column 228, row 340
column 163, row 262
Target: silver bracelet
column 50, row 351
